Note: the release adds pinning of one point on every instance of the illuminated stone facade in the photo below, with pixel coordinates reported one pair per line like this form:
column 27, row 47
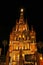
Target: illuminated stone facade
column 22, row 42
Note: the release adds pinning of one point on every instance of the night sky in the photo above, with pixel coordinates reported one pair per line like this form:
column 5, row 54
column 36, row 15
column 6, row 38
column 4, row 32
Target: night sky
column 10, row 12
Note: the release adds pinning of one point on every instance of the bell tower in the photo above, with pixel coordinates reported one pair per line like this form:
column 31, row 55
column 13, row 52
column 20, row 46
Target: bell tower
column 22, row 42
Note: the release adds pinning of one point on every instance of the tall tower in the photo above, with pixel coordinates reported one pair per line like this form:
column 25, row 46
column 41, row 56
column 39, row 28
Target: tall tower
column 21, row 43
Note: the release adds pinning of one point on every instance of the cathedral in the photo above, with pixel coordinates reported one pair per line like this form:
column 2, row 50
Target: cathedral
column 22, row 43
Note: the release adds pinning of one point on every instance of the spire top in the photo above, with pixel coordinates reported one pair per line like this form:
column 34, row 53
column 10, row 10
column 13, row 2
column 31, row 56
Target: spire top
column 21, row 19
column 21, row 11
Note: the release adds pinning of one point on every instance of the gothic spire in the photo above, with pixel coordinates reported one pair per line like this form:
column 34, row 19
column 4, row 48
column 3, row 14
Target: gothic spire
column 21, row 19
column 21, row 12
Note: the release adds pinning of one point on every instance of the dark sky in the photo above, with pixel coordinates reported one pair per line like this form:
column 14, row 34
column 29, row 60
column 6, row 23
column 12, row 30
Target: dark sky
column 10, row 12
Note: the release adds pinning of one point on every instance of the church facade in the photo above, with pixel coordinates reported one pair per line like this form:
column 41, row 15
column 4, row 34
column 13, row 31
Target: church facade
column 22, row 43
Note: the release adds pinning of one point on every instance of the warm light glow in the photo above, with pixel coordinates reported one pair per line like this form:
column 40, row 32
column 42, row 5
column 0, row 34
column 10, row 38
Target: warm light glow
column 36, row 49
column 18, row 56
column 23, row 55
column 14, row 57
column 19, row 36
column 14, row 38
column 21, row 10
column 10, row 49
column 33, row 41
column 40, row 58
column 17, row 47
column 23, row 36
column 32, row 36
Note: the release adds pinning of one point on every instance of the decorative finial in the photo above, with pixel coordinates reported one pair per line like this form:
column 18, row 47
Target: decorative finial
column 22, row 10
